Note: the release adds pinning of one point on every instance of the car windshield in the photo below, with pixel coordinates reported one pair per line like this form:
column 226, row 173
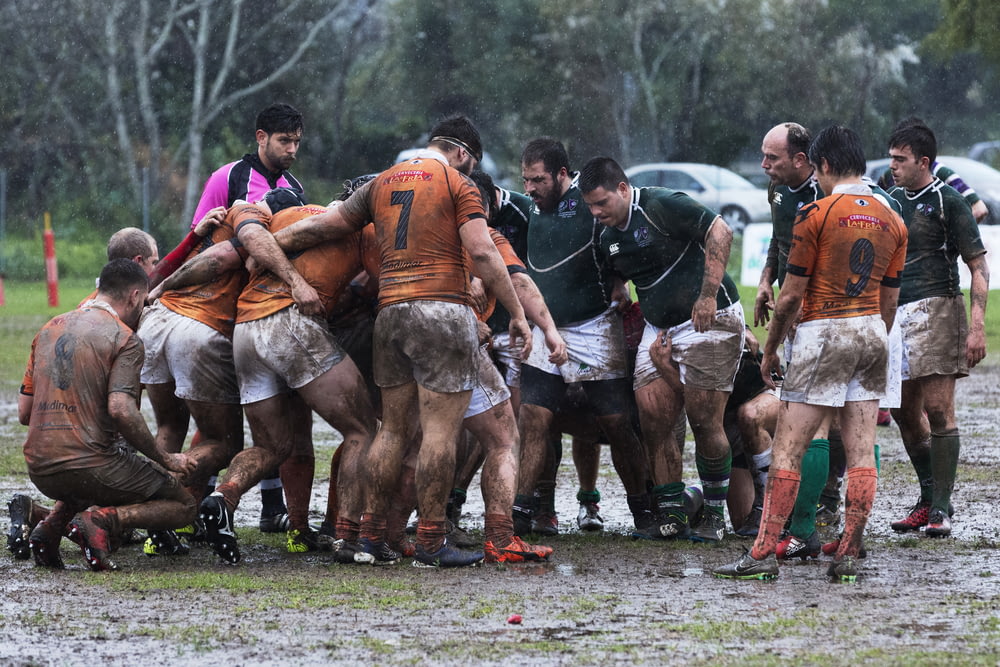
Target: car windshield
column 725, row 179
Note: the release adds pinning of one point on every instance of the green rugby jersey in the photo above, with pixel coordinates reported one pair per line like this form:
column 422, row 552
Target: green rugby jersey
column 563, row 260
column 661, row 250
column 511, row 221
column 941, row 228
column 785, row 205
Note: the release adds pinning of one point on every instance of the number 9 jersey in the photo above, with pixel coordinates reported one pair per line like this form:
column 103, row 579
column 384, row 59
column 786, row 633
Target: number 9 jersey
column 848, row 244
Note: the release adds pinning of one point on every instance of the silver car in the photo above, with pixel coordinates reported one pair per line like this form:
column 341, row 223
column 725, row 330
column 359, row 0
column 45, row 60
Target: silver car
column 736, row 199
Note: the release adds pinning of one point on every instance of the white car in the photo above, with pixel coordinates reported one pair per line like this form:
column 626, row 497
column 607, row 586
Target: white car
column 736, row 199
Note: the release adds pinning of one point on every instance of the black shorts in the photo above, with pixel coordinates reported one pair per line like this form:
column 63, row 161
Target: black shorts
column 605, row 397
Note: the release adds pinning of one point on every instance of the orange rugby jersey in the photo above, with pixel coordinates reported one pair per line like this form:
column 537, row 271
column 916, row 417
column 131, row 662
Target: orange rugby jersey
column 848, row 245
column 214, row 303
column 417, row 207
column 329, row 267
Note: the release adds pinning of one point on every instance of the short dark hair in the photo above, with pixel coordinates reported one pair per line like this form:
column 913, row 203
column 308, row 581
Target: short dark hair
column 550, row 152
column 487, row 188
column 458, row 131
column 353, row 184
column 601, row 172
column 279, row 117
column 121, row 276
column 129, row 242
column 799, row 139
column 278, row 199
column 841, row 148
column 918, row 138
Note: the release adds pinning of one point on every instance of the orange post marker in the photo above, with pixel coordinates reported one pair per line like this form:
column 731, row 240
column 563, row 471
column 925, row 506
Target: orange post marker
column 3, row 299
column 51, row 269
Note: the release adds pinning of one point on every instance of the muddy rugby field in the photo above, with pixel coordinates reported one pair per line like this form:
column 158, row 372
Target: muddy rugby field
column 603, row 599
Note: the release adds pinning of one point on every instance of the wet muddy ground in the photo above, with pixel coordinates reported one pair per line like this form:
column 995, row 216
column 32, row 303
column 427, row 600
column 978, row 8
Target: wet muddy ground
column 602, row 600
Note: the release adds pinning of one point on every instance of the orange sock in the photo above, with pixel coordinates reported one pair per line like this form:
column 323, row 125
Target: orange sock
column 779, row 500
column 861, row 486
column 297, row 478
column 499, row 529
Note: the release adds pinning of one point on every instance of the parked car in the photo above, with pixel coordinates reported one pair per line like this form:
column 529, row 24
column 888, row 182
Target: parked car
column 736, row 199
column 984, row 179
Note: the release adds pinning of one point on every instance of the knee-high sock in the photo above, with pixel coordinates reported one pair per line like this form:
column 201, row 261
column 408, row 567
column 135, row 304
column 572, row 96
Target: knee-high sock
column 714, row 474
column 815, row 467
column 782, row 488
column 861, row 486
column 944, row 464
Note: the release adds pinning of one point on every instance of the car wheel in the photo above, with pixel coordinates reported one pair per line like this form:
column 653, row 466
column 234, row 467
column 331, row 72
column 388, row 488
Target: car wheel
column 736, row 218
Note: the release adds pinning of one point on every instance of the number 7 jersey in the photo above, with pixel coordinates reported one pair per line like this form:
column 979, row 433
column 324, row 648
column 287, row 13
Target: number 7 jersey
column 417, row 207
column 848, row 244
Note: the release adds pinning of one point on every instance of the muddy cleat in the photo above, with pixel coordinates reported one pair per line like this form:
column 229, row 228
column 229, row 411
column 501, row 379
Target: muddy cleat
column 915, row 520
column 844, row 570
column 446, row 556
column 193, row 532
column 793, row 547
column 94, row 536
column 545, row 522
column 350, row 553
column 164, row 543
column 748, row 567
column 522, row 521
column 459, row 536
column 19, row 508
column 884, row 417
column 647, row 526
column 711, row 528
column 751, row 525
column 276, row 523
column 301, row 541
column 44, row 544
column 674, row 524
column 380, row 551
column 517, row 551
column 826, row 516
column 938, row 524
column 218, row 520
column 830, row 548
column 589, row 518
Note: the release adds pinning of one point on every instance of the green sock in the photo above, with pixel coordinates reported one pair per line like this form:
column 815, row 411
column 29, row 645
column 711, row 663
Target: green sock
column 944, row 463
column 668, row 497
column 714, row 474
column 588, row 496
column 920, row 457
column 878, row 458
column 815, row 468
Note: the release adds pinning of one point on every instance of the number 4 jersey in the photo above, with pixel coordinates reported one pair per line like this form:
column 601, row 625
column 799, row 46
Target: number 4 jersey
column 848, row 244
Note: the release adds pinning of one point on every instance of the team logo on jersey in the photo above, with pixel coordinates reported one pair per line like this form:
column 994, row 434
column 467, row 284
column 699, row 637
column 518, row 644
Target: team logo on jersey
column 926, row 209
column 776, row 199
column 861, row 202
column 859, row 221
column 641, row 236
column 614, row 248
column 409, row 176
column 567, row 208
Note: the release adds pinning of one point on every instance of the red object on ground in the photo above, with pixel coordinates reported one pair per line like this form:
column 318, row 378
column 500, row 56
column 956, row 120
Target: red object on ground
column 3, row 299
column 51, row 269
column 514, row 619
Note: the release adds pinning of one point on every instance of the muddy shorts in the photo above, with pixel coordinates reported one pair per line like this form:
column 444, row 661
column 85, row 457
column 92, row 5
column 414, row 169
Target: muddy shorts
column 508, row 358
column 432, row 343
column 490, row 390
column 894, row 378
column 196, row 357
column 838, row 360
column 934, row 331
column 281, row 352
column 708, row 360
column 596, row 350
column 125, row 479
